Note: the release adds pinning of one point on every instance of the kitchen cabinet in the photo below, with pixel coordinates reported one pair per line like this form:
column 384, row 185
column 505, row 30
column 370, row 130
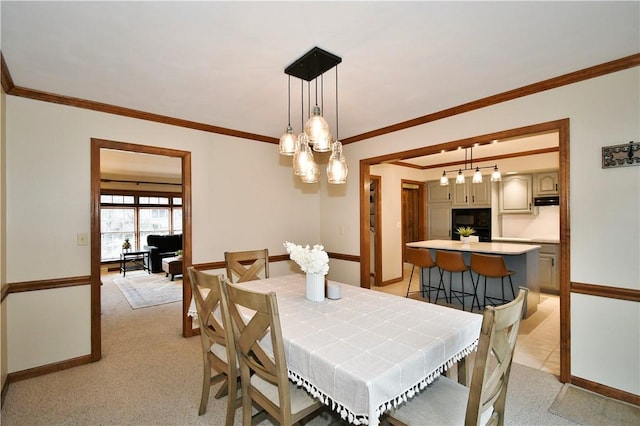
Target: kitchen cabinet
column 437, row 193
column 439, row 221
column 545, row 184
column 472, row 194
column 549, row 268
column 516, row 194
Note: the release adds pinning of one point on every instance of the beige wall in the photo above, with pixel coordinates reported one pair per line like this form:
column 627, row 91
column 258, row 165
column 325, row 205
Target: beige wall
column 245, row 185
column 604, row 208
column 244, row 196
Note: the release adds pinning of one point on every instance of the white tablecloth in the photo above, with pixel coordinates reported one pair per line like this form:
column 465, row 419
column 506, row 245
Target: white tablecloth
column 368, row 351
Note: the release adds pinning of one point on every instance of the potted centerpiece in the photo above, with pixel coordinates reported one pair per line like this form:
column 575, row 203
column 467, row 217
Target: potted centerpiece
column 314, row 261
column 465, row 233
column 126, row 245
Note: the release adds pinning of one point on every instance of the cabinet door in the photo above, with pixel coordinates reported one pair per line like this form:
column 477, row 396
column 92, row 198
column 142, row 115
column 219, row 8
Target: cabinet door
column 548, row 274
column 439, row 221
column 546, row 183
column 481, row 192
column 437, row 193
column 460, row 194
column 516, row 194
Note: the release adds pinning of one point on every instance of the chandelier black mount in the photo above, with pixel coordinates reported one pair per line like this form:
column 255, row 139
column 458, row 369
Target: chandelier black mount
column 312, row 64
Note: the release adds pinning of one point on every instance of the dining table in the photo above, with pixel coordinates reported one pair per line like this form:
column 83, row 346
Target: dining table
column 368, row 351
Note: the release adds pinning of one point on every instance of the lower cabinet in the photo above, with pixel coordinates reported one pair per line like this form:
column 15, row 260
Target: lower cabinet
column 549, row 268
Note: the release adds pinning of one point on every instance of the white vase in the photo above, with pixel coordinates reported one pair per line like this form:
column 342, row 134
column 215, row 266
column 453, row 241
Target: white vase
column 315, row 287
column 465, row 240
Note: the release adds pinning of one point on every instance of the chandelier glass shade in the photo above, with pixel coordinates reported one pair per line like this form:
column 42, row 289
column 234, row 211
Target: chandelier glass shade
column 317, row 130
column 337, row 169
column 288, row 142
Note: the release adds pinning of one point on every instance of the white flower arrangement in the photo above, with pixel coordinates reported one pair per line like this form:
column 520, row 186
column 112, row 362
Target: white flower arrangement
column 311, row 260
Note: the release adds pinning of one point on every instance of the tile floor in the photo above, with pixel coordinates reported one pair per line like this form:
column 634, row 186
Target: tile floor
column 538, row 344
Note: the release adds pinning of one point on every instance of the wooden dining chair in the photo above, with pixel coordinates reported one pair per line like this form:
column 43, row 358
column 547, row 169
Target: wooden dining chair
column 446, row 402
column 217, row 343
column 258, row 261
column 264, row 376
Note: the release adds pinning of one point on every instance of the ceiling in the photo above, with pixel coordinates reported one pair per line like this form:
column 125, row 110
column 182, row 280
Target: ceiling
column 222, row 63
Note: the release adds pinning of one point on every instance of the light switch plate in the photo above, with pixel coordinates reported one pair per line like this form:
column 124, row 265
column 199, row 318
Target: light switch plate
column 82, row 238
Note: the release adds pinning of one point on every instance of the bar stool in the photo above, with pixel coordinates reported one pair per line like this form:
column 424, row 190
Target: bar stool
column 452, row 261
column 422, row 259
column 491, row 266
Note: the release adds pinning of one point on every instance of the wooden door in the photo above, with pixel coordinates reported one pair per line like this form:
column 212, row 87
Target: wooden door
column 412, row 213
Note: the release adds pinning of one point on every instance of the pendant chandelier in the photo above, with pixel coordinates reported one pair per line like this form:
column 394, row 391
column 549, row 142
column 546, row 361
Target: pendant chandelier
column 477, row 175
column 315, row 134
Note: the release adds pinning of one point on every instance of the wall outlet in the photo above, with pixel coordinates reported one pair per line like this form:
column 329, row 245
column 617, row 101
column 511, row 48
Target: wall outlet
column 82, row 238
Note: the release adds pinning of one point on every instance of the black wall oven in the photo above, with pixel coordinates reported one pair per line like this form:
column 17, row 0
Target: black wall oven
column 478, row 219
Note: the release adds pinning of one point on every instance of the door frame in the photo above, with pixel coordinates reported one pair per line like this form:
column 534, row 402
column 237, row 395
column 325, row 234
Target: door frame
column 96, row 146
column 377, row 243
column 560, row 126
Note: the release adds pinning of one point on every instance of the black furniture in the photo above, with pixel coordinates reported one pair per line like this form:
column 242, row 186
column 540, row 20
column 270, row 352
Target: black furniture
column 161, row 246
column 134, row 260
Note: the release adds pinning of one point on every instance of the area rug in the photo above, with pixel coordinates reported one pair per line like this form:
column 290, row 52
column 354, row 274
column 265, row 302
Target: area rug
column 589, row 408
column 143, row 290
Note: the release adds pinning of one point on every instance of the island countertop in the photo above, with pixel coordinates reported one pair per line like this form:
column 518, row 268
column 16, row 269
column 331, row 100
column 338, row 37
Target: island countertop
column 489, row 248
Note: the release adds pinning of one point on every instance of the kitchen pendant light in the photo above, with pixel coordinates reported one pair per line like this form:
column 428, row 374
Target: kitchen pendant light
column 444, row 180
column 477, row 176
column 288, row 139
column 496, row 176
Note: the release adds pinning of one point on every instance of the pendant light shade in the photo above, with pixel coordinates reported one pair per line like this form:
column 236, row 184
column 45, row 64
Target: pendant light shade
column 311, row 172
column 337, row 169
column 496, row 176
column 477, row 176
column 444, row 180
column 302, row 156
column 288, row 142
column 317, row 130
column 460, row 177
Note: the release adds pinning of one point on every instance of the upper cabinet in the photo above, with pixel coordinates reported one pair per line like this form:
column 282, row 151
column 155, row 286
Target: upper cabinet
column 437, row 193
column 545, row 184
column 516, row 194
column 472, row 194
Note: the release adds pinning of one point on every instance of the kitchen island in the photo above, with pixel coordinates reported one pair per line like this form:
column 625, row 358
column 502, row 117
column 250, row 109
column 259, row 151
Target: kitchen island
column 523, row 259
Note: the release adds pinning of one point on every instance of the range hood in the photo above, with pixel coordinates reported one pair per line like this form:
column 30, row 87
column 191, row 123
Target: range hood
column 551, row 200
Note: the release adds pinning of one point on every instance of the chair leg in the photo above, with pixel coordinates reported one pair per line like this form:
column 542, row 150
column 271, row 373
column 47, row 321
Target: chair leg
column 513, row 292
column 410, row 278
column 206, row 385
column 475, row 291
column 441, row 286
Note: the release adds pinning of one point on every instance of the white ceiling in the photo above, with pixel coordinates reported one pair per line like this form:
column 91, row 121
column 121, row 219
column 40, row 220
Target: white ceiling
column 222, row 63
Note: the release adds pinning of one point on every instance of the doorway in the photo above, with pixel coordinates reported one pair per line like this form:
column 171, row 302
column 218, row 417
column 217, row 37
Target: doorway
column 561, row 127
column 413, row 208
column 96, row 146
column 375, row 229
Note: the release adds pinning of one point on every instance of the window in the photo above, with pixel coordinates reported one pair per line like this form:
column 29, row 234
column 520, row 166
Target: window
column 135, row 216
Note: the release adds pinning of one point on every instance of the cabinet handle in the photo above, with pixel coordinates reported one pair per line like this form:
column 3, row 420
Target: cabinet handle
column 529, row 206
column 473, row 198
column 553, row 262
column 466, row 199
column 449, row 196
column 556, row 187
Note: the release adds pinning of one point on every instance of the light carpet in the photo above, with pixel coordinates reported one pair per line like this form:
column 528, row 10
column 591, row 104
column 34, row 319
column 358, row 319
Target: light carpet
column 143, row 290
column 588, row 408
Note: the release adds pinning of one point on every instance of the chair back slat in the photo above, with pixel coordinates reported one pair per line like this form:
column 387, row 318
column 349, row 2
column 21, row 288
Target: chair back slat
column 258, row 261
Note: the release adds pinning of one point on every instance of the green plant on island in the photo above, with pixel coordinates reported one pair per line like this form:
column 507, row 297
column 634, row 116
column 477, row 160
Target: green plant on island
column 126, row 245
column 465, row 231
